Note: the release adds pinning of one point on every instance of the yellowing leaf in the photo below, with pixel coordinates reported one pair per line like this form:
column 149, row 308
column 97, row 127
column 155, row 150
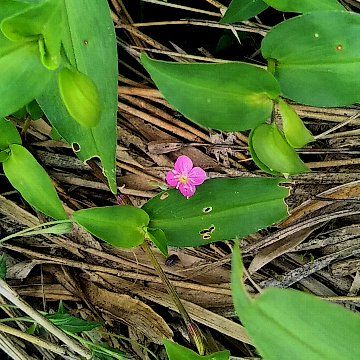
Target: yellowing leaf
column 294, row 129
column 273, row 151
column 80, row 96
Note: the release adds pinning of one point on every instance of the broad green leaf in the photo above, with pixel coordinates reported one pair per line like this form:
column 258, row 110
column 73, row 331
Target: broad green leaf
column 90, row 46
column 178, row 352
column 214, row 212
column 8, row 134
column 158, row 237
column 240, row 10
column 34, row 110
column 230, row 97
column 304, row 6
column 274, row 152
column 43, row 23
column 294, row 129
column 80, row 96
column 288, row 324
column 12, row 7
column 4, row 155
column 33, row 183
column 317, row 57
column 120, row 226
column 71, row 324
column 3, row 267
column 20, row 114
column 23, row 77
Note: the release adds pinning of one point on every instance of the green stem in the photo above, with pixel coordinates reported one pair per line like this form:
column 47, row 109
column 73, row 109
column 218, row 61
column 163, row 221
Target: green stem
column 26, row 127
column 29, row 230
column 195, row 333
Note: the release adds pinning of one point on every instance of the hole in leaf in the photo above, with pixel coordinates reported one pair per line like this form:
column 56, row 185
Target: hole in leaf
column 207, row 209
column 85, row 42
column 164, row 196
column 206, row 236
column 204, row 231
column 76, row 147
column 212, row 228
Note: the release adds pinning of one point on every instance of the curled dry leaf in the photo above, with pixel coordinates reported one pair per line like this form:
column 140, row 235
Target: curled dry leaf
column 133, row 312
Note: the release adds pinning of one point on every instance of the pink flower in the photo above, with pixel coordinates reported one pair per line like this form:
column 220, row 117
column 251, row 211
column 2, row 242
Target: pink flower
column 185, row 177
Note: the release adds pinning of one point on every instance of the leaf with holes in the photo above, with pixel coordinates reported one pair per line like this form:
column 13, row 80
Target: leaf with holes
column 221, row 209
column 90, row 46
column 229, row 96
column 304, row 6
column 8, row 134
column 240, row 10
column 289, row 324
column 316, row 57
column 178, row 352
column 33, row 183
column 120, row 226
column 271, row 151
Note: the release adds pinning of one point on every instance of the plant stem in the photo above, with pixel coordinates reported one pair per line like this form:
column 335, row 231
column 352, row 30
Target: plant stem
column 26, row 127
column 31, row 229
column 195, row 333
column 34, row 340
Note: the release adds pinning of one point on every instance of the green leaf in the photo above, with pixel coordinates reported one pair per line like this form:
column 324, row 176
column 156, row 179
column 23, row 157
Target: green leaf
column 294, row 129
column 270, row 147
column 90, row 46
column 120, row 226
column 104, row 352
column 34, row 184
column 43, row 22
column 178, row 352
column 213, row 213
column 3, row 267
column 12, row 7
column 240, row 10
column 288, row 324
column 80, row 96
column 304, row 6
column 317, row 57
column 34, row 110
column 8, row 134
column 71, row 324
column 4, row 155
column 229, row 96
column 158, row 237
column 23, row 77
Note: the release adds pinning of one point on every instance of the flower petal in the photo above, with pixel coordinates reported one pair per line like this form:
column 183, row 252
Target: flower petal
column 183, row 165
column 171, row 180
column 197, row 176
column 187, row 190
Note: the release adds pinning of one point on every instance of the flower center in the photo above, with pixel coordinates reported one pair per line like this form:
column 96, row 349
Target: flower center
column 183, row 179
